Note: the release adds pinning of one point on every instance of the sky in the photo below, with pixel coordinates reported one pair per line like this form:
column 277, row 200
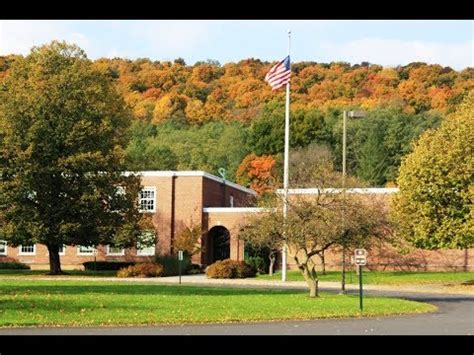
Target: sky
column 384, row 42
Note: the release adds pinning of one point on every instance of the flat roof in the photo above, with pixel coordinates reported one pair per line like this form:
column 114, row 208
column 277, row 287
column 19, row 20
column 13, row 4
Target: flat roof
column 315, row 191
column 170, row 173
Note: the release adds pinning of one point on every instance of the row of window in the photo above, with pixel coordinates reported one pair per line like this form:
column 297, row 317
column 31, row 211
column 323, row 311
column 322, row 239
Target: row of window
column 81, row 250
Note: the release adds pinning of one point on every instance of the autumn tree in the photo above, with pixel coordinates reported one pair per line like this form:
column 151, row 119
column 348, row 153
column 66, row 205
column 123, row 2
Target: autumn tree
column 258, row 173
column 189, row 239
column 316, row 224
column 434, row 208
column 265, row 232
column 62, row 133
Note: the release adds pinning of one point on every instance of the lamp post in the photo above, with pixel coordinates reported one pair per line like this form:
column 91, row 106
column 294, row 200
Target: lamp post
column 351, row 114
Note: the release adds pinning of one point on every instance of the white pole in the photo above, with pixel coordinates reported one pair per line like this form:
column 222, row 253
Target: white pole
column 344, row 142
column 285, row 174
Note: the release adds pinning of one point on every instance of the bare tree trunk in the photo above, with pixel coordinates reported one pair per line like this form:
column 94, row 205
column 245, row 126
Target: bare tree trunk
column 323, row 263
column 313, row 287
column 54, row 261
column 272, row 263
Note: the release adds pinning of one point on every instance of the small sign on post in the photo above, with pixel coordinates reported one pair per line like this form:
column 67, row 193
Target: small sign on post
column 360, row 256
column 180, row 258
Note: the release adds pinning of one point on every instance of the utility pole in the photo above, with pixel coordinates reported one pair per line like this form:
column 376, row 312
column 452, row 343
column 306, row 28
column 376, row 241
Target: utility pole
column 343, row 279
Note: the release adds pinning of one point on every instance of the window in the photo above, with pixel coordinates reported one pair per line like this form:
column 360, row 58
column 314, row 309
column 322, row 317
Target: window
column 28, row 249
column 82, row 250
column 231, row 201
column 3, row 247
column 62, row 250
column 147, row 199
column 147, row 245
column 111, row 250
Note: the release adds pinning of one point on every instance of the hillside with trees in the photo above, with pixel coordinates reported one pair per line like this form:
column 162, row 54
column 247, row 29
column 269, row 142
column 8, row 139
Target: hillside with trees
column 207, row 115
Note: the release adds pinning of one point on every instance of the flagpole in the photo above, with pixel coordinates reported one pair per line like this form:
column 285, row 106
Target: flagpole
column 285, row 173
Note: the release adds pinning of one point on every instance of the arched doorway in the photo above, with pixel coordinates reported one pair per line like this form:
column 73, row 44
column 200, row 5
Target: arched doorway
column 218, row 244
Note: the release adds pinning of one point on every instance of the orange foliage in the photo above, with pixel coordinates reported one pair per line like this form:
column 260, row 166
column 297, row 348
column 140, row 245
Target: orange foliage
column 237, row 91
column 258, row 172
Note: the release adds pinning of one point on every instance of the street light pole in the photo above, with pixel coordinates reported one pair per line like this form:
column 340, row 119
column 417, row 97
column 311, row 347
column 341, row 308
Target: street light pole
column 352, row 114
column 343, row 279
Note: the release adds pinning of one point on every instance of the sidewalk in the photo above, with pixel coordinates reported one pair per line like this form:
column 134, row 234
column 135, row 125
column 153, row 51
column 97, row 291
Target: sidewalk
column 256, row 283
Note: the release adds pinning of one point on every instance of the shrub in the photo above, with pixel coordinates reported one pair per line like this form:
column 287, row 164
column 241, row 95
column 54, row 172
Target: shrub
column 142, row 270
column 171, row 264
column 258, row 263
column 14, row 265
column 106, row 265
column 230, row 269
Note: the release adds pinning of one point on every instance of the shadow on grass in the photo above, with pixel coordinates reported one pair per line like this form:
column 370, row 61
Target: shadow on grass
column 137, row 289
column 20, row 272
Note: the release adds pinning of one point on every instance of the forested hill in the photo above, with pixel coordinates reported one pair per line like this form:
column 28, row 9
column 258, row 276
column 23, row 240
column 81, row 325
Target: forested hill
column 206, row 116
column 208, row 91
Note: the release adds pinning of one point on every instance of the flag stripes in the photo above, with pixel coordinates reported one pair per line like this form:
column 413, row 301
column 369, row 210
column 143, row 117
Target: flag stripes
column 279, row 75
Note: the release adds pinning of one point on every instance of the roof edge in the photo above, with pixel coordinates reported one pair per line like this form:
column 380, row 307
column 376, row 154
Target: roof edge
column 169, row 173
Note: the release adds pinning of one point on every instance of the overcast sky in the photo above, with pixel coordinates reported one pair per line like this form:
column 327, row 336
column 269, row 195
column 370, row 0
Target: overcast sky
column 386, row 42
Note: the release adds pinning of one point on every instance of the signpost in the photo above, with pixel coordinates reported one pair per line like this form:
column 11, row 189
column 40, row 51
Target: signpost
column 360, row 256
column 180, row 258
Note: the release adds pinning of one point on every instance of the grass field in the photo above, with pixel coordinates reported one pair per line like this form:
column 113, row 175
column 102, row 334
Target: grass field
column 386, row 277
column 87, row 303
column 24, row 272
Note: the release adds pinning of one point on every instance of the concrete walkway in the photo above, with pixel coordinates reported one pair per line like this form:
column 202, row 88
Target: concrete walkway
column 202, row 280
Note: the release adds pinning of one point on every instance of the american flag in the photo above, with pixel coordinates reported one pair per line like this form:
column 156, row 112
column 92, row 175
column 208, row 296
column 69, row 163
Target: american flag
column 279, row 75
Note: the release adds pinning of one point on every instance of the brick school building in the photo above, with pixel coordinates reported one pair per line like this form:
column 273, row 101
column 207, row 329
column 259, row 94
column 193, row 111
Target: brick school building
column 179, row 199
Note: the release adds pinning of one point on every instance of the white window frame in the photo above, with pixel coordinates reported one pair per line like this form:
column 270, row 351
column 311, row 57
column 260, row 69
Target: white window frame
column 150, row 188
column 142, row 251
column 79, row 252
column 4, row 242
column 20, row 252
column 121, row 253
column 62, row 253
column 231, row 201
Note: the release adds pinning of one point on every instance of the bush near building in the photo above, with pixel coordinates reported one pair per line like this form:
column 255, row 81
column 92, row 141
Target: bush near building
column 14, row 265
column 106, row 265
column 171, row 264
column 142, row 270
column 230, row 269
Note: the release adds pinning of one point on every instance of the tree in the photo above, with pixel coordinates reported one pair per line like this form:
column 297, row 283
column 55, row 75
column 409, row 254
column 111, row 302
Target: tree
column 315, row 224
column 189, row 239
column 62, row 132
column 265, row 232
column 372, row 160
column 258, row 173
column 313, row 166
column 434, row 208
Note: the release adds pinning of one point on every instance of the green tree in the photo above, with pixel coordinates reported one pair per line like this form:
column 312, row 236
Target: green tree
column 266, row 133
column 372, row 158
column 265, row 232
column 435, row 206
column 62, row 129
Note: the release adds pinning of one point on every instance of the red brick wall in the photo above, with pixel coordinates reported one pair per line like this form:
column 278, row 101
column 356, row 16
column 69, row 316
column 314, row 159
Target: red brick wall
column 213, row 193
column 191, row 193
column 71, row 259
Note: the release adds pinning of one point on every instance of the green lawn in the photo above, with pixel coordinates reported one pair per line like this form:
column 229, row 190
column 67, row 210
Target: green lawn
column 88, row 303
column 25, row 272
column 385, row 277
